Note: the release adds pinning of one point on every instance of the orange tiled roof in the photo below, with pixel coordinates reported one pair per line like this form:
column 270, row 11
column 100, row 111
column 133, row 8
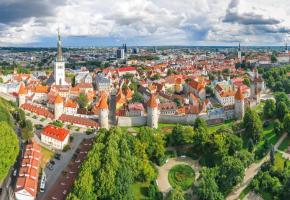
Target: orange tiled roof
column 37, row 109
column 58, row 99
column 41, row 89
column 55, row 132
column 152, row 103
column 78, row 120
column 239, row 94
column 22, row 89
column 28, row 173
column 70, row 104
column 103, row 103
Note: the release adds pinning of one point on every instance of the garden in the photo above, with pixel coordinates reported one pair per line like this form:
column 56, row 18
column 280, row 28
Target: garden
column 181, row 176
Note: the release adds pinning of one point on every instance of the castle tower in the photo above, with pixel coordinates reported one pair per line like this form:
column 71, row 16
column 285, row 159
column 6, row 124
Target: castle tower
column 239, row 104
column 58, row 107
column 152, row 112
column 104, row 111
column 21, row 94
column 59, row 65
column 239, row 53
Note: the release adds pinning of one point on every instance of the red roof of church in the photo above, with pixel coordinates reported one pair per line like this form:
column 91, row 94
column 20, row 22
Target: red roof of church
column 55, row 132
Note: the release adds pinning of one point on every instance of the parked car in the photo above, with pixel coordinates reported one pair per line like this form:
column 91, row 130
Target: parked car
column 52, row 162
column 15, row 172
column 57, row 156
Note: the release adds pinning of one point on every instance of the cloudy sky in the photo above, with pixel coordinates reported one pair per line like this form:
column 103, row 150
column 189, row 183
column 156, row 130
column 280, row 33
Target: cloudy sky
column 144, row 22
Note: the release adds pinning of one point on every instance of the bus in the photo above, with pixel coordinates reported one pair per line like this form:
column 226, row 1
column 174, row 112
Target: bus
column 42, row 182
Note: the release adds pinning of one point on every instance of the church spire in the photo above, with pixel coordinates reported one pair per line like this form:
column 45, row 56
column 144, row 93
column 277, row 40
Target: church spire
column 239, row 49
column 59, row 50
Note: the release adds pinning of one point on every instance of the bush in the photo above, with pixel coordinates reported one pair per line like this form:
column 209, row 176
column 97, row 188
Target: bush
column 38, row 126
column 66, row 148
column 181, row 176
column 89, row 131
column 42, row 119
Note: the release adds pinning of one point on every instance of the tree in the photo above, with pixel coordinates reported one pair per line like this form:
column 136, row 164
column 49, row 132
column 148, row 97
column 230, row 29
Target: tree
column 278, row 127
column 247, row 82
column 231, row 172
column 200, row 123
column 27, row 131
column 208, row 188
column 269, row 108
column 251, row 145
column 286, row 123
column 253, row 125
column 9, row 149
column 175, row 194
column 137, row 97
column 82, row 100
column 272, row 156
column 281, row 110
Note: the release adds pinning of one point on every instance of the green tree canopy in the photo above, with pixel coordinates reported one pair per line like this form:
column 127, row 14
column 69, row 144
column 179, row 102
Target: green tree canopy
column 253, row 125
column 269, row 108
column 9, row 149
column 82, row 100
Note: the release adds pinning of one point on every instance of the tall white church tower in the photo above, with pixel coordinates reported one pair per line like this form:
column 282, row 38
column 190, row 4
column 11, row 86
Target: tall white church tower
column 239, row 53
column 59, row 65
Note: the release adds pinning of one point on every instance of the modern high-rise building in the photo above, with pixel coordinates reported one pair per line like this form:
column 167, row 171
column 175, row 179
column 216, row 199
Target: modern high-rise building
column 121, row 53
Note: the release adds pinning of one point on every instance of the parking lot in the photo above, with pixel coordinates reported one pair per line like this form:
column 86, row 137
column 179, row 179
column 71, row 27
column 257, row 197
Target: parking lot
column 64, row 182
column 56, row 166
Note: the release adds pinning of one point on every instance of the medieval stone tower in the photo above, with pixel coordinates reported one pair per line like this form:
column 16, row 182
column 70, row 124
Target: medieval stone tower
column 104, row 111
column 21, row 94
column 58, row 107
column 152, row 112
column 59, row 65
column 239, row 104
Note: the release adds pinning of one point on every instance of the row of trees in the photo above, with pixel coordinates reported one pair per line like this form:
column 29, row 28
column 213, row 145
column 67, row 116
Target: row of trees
column 116, row 161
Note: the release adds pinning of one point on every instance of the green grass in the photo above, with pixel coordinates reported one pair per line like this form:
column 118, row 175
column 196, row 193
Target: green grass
column 245, row 192
column 267, row 196
column 213, row 128
column 139, row 190
column 181, row 176
column 285, row 144
column 46, row 156
column 268, row 133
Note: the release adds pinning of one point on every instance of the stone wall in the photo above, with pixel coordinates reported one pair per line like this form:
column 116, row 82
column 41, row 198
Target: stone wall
column 132, row 121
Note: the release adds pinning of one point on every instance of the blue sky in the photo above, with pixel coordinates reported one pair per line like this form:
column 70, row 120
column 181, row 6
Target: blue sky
column 144, row 22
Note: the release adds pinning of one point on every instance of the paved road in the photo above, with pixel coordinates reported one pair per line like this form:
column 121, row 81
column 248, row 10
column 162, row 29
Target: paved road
column 251, row 171
column 60, row 165
column 162, row 179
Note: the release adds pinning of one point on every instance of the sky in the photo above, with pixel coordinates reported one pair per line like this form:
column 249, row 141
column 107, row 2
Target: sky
column 144, row 22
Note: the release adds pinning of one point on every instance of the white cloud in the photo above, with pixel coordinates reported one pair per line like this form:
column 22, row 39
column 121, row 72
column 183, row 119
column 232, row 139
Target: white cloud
column 160, row 22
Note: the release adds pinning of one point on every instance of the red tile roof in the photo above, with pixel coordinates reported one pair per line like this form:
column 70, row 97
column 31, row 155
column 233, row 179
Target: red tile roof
column 22, row 89
column 28, row 173
column 38, row 110
column 239, row 94
column 152, row 103
column 78, row 120
column 55, row 132
column 126, row 69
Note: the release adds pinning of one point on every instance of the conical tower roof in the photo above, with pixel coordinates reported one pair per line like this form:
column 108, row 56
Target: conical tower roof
column 152, row 102
column 239, row 94
column 58, row 100
column 103, row 103
column 22, row 89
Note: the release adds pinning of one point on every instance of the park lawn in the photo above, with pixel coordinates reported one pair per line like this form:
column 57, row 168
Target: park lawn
column 181, row 176
column 213, row 128
column 284, row 145
column 268, row 133
column 139, row 190
column 46, row 156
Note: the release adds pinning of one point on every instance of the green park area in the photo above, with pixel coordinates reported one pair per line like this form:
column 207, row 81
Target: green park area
column 181, row 176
